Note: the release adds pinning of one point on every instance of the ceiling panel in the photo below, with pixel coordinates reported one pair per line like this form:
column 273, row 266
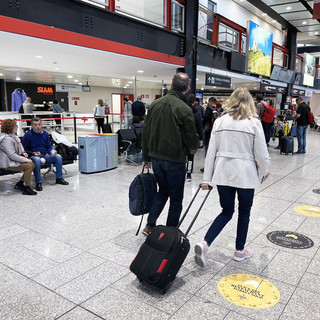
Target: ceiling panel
column 309, row 28
column 275, row 2
column 297, row 15
column 294, row 7
column 309, row 22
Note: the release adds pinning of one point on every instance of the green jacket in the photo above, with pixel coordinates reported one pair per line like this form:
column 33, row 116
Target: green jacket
column 169, row 131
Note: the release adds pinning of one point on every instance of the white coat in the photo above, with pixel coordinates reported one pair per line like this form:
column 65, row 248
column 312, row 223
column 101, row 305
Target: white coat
column 237, row 155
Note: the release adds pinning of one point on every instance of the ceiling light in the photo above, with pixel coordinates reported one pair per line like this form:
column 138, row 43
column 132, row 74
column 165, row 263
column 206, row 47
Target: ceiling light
column 133, row 77
column 304, row 22
column 1, row 74
column 140, row 71
column 124, row 87
column 80, row 83
column 202, row 88
column 197, row 79
column 288, row 8
column 130, row 82
column 56, row 68
column 18, row 78
column 38, row 57
column 264, row 14
column 70, row 77
column 75, row 80
column 316, row 33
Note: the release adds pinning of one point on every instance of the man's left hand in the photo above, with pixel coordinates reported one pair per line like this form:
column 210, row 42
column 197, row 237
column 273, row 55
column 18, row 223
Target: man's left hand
column 146, row 165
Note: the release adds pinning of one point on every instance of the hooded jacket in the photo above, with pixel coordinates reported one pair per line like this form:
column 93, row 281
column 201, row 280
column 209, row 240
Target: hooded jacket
column 10, row 151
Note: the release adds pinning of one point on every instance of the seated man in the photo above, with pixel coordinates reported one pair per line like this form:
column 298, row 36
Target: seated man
column 37, row 144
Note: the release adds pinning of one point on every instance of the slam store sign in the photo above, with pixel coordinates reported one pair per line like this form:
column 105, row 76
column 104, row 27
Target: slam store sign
column 217, row 80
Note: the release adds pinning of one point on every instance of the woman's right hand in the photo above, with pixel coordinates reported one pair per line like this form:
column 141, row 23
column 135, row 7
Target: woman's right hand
column 204, row 186
column 30, row 161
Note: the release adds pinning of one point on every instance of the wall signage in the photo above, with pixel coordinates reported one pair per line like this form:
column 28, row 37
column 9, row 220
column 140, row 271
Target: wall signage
column 298, row 92
column 288, row 239
column 310, row 211
column 270, row 88
column 217, row 80
column 68, row 88
column 249, row 291
column 45, row 90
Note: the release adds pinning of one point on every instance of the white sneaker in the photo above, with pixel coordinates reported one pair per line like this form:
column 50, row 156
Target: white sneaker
column 201, row 250
column 240, row 255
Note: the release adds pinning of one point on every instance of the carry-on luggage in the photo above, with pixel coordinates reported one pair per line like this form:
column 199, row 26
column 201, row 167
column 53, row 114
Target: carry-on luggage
column 294, row 131
column 106, row 128
column 162, row 254
column 286, row 145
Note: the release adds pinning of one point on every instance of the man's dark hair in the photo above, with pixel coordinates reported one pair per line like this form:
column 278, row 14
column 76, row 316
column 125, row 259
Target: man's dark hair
column 55, row 101
column 125, row 99
column 259, row 98
column 34, row 119
column 213, row 100
column 299, row 99
column 180, row 82
column 192, row 98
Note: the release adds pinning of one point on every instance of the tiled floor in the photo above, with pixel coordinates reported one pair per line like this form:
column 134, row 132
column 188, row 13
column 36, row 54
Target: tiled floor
column 65, row 253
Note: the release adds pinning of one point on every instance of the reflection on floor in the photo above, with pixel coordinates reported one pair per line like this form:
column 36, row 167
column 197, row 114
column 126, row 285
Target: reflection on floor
column 65, row 253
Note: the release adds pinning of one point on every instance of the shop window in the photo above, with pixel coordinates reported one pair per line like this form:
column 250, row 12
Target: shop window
column 298, row 67
column 318, row 73
column 177, row 16
column 286, row 61
column 98, row 3
column 244, row 44
column 205, row 19
column 278, row 57
column 152, row 11
column 228, row 37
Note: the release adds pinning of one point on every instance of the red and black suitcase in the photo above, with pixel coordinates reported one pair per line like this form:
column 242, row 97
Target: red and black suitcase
column 162, row 254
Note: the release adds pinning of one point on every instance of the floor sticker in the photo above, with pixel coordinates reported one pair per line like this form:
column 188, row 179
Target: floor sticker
column 310, row 211
column 289, row 239
column 249, row 291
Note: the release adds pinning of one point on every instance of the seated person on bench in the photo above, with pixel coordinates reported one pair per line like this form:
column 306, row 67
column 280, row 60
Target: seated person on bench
column 13, row 157
column 37, row 144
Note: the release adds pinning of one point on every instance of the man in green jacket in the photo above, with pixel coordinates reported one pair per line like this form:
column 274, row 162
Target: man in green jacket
column 168, row 136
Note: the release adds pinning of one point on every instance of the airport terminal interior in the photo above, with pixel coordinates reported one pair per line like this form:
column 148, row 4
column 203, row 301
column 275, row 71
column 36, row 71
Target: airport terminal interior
column 65, row 253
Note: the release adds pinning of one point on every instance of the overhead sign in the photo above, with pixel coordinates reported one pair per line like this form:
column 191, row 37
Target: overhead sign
column 298, row 92
column 249, row 291
column 217, row 80
column 68, row 88
column 271, row 88
column 310, row 211
column 289, row 239
column 45, row 90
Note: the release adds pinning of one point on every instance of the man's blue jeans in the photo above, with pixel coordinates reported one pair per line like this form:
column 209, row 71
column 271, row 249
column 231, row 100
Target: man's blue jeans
column 170, row 177
column 301, row 137
column 57, row 160
column 227, row 197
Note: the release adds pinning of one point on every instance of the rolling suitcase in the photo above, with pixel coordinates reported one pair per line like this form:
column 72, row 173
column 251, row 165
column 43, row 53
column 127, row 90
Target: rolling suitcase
column 162, row 254
column 286, row 145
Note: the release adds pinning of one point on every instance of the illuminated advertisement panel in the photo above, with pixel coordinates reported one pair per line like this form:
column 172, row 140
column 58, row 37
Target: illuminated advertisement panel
column 259, row 49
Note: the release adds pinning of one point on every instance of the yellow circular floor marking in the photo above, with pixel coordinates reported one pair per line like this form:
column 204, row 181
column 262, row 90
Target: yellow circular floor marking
column 311, row 211
column 249, row 291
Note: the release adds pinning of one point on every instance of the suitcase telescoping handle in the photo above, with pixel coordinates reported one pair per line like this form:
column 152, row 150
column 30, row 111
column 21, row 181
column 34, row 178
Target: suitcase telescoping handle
column 198, row 212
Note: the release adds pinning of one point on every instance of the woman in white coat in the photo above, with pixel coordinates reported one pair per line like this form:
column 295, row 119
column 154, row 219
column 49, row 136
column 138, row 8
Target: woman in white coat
column 99, row 111
column 237, row 162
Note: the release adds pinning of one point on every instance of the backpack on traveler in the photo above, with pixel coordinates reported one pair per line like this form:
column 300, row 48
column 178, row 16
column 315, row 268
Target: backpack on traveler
column 310, row 117
column 141, row 194
column 269, row 113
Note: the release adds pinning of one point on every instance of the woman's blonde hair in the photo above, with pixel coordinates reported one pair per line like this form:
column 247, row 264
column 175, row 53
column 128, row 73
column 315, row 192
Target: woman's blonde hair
column 241, row 105
column 8, row 125
column 100, row 102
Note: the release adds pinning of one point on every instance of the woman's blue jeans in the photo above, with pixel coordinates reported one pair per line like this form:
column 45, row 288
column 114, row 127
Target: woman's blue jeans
column 57, row 160
column 227, row 198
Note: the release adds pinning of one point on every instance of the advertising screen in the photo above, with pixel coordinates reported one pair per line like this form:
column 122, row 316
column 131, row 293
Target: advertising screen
column 309, row 68
column 259, row 49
